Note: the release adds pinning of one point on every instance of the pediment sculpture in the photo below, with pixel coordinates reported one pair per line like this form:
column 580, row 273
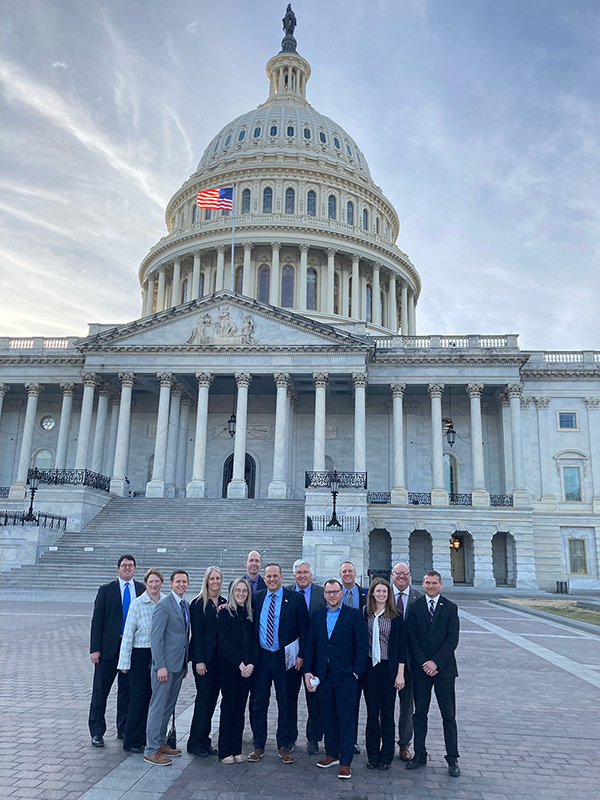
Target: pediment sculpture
column 223, row 331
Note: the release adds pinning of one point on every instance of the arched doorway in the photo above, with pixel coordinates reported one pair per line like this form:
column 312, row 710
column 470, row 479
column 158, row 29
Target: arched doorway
column 504, row 559
column 249, row 474
column 462, row 566
column 420, row 554
column 380, row 554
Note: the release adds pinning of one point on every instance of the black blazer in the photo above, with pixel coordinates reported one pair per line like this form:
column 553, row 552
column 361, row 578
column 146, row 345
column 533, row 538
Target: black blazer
column 259, row 586
column 203, row 622
column 437, row 640
column 347, row 650
column 293, row 620
column 413, row 596
column 237, row 637
column 107, row 619
column 396, row 645
column 317, row 598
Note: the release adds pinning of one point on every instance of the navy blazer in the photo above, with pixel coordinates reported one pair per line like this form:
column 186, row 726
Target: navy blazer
column 203, row 621
column 317, row 598
column 347, row 650
column 107, row 619
column 434, row 640
column 293, row 620
column 260, row 584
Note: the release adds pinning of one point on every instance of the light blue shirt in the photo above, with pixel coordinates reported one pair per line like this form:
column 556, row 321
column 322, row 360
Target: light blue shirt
column 307, row 592
column 332, row 618
column 355, row 596
column 264, row 616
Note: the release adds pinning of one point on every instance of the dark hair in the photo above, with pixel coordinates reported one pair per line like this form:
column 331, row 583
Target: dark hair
column 432, row 573
column 389, row 611
column 333, row 580
column 179, row 572
column 126, row 558
column 154, row 571
column 274, row 565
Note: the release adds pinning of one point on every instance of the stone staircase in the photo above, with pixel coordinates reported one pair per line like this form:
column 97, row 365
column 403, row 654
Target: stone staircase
column 189, row 533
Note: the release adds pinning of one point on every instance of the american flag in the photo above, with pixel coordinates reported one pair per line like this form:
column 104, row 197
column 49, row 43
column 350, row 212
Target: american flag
column 216, row 198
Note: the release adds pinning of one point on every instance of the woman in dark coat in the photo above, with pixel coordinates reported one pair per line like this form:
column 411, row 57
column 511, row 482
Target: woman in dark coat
column 238, row 646
column 204, row 655
column 384, row 673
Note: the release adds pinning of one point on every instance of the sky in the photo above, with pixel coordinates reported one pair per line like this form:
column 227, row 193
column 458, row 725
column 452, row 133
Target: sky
column 480, row 121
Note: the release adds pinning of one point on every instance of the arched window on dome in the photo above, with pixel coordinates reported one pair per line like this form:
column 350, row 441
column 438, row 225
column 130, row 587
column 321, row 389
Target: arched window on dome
column 239, row 279
column 350, row 213
column 311, row 289
column 311, row 204
column 332, row 207
column 369, row 303
column 242, row 135
column 365, row 219
column 42, row 459
column 201, row 285
column 184, row 291
column 246, row 201
column 336, row 293
column 287, row 287
column 377, row 226
column 268, row 200
column 208, row 214
column 264, row 283
column 290, row 201
column 322, row 137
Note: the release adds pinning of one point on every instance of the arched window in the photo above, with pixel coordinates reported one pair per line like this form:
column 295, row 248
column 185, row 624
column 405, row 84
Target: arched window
column 201, row 286
column 208, row 214
column 311, row 289
column 195, row 213
column 264, row 283
column 311, row 204
column 290, row 201
column 377, row 225
column 450, row 474
column 332, row 207
column 287, row 287
column 268, row 200
column 246, row 201
column 369, row 303
column 239, row 279
column 350, row 213
column 184, row 291
column 336, row 293
column 43, row 459
column 365, row 219
column 242, row 135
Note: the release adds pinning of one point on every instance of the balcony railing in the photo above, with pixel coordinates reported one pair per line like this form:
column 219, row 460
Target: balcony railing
column 504, row 500
column 71, row 477
column 348, row 480
column 460, row 499
column 380, row 497
column 419, row 498
column 322, row 524
column 4, row 492
column 40, row 519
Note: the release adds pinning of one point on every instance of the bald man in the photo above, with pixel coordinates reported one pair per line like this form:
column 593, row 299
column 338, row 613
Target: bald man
column 253, row 563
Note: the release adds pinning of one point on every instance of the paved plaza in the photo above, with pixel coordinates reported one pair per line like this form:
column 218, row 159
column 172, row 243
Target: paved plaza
column 528, row 696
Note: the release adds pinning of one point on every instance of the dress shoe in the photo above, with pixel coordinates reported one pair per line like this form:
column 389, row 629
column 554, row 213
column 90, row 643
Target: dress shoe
column 328, row 761
column 404, row 754
column 383, row 767
column 257, row 753
column 239, row 759
column 211, row 751
column 158, row 759
column 286, row 756
column 453, row 769
column 356, row 751
column 136, row 750
column 344, row 773
column 97, row 741
column 200, row 753
column 120, row 736
column 228, row 760
column 172, row 752
column 371, row 765
column 312, row 748
column 416, row 762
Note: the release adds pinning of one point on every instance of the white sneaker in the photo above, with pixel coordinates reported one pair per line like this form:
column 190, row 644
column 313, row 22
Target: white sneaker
column 239, row 759
column 228, row 760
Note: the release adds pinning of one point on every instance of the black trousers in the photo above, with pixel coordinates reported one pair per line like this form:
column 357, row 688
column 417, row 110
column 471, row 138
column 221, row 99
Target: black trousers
column 270, row 669
column 234, row 695
column 207, row 693
column 105, row 672
column 140, row 692
column 380, row 697
column 314, row 726
column 337, row 696
column 444, row 692
column 407, row 707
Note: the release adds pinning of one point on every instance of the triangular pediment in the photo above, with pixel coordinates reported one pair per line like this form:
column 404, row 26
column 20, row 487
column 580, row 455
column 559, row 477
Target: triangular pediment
column 224, row 321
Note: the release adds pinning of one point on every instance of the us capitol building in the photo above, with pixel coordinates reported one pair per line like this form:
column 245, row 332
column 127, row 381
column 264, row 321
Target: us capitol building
column 459, row 452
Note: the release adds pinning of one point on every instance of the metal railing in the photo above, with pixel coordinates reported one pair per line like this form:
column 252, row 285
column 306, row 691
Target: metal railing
column 321, row 523
column 40, row 519
column 4, row 492
column 379, row 497
column 148, row 556
column 502, row 500
column 71, row 477
column 419, row 498
column 348, row 480
column 460, row 499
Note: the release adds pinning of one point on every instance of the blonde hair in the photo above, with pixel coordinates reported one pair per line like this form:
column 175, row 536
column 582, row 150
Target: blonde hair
column 154, row 571
column 203, row 593
column 232, row 606
column 389, row 610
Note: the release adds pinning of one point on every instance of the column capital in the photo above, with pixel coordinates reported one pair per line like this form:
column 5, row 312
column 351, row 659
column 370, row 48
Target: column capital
column 243, row 379
column 360, row 380
column 276, row 246
column 89, row 378
column 116, row 398
column 34, row 389
column 127, row 378
column 397, row 389
column 376, row 265
column 331, row 252
column 165, row 379
column 197, row 253
column 474, row 389
column 514, row 390
column 68, row 388
column 304, row 248
column 355, row 257
column 248, row 247
column 177, row 261
column 220, row 248
column 542, row 402
column 204, row 378
column 105, row 389
column 178, row 388
column 186, row 400
column 435, row 389
column 4, row 388
column 592, row 403
column 320, row 379
column 282, row 380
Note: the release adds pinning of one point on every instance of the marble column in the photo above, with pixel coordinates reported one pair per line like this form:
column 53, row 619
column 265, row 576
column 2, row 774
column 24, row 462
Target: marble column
column 355, row 295
column 149, row 309
column 173, row 436
column 412, row 315
column 85, row 420
column 118, row 483
column 304, row 248
column 195, row 292
column 4, row 389
column 329, row 302
column 19, row 488
column 184, row 424
column 520, row 495
column 399, row 491
column 480, row 496
column 109, row 461
column 274, row 298
column 392, row 307
column 593, row 414
column 548, row 500
column 156, row 486
column 238, row 486
column 176, row 288
column 197, row 486
column 64, row 427
column 360, row 381
column 404, row 309
column 220, row 284
column 376, row 311
column 160, row 292
column 278, row 486
column 439, row 495
column 104, row 393
column 320, row 380
column 247, row 274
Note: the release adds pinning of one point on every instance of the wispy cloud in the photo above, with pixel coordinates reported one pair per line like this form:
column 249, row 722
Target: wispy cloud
column 60, row 65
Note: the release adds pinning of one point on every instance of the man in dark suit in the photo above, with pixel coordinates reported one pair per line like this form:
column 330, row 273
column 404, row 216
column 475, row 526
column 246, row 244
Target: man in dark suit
column 355, row 597
column 169, row 640
column 108, row 621
column 281, row 622
column 404, row 597
column 336, row 652
column 314, row 598
column 433, row 630
column 253, row 563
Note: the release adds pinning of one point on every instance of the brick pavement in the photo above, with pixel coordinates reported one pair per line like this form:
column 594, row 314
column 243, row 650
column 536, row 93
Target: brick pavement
column 526, row 720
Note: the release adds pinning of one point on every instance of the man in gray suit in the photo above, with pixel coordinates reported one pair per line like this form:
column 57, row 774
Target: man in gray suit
column 169, row 642
column 314, row 598
column 404, row 596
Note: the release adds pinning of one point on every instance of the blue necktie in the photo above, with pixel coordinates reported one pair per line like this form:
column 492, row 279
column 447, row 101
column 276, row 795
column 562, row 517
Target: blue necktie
column 126, row 604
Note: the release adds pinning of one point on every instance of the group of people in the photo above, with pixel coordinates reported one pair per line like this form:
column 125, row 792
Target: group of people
column 339, row 639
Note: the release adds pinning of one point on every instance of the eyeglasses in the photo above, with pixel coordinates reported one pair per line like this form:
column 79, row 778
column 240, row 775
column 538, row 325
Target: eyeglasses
column 333, row 591
column 401, row 574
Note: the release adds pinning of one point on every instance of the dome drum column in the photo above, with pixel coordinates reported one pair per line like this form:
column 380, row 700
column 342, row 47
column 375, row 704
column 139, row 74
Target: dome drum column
column 303, row 276
column 376, row 299
column 404, row 309
column 274, row 281
column 247, row 274
column 220, row 268
column 355, row 287
column 149, row 304
column 195, row 289
column 329, row 299
column 175, row 293
column 392, row 306
column 160, row 297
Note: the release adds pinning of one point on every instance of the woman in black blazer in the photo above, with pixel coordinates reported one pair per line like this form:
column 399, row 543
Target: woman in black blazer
column 204, row 655
column 238, row 646
column 384, row 673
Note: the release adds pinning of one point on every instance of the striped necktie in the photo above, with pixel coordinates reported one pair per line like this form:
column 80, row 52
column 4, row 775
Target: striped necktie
column 400, row 604
column 349, row 599
column 271, row 624
column 431, row 609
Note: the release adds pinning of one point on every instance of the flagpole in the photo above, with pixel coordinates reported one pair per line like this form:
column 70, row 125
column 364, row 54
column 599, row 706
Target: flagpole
column 233, row 237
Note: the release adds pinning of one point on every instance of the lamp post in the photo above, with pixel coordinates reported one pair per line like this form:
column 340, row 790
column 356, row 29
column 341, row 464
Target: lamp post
column 33, row 480
column 335, row 487
column 232, row 422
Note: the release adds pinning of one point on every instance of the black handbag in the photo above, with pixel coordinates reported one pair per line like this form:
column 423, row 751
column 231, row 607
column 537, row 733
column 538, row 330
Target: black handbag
column 172, row 735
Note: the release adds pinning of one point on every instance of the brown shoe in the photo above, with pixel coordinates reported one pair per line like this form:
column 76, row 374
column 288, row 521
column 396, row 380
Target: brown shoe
column 169, row 751
column 344, row 773
column 158, row 759
column 328, row 761
column 405, row 753
column 256, row 754
column 286, row 756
